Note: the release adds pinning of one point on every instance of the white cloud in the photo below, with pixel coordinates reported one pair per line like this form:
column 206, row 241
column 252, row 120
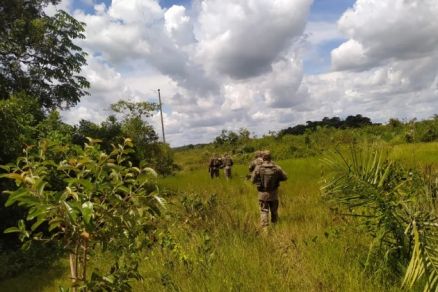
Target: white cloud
column 178, row 25
column 399, row 29
column 320, row 32
column 242, row 39
column 136, row 11
column 227, row 64
column 137, row 46
column 63, row 5
column 387, row 67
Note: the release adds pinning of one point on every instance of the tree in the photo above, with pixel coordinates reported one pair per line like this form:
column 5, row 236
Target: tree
column 357, row 121
column 244, row 135
column 18, row 117
column 228, row 137
column 135, row 126
column 105, row 203
column 109, row 132
column 37, row 54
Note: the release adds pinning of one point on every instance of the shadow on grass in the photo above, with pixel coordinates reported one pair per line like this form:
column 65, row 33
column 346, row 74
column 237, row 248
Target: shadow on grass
column 34, row 270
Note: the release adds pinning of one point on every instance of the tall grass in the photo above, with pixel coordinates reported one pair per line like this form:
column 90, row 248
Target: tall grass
column 210, row 238
column 305, row 251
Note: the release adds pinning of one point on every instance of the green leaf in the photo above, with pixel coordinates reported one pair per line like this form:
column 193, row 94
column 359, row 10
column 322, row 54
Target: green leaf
column 38, row 223
column 70, row 212
column 55, row 223
column 110, row 279
column 14, row 176
column 16, row 196
column 124, row 189
column 35, row 212
column 40, row 186
column 87, row 211
column 88, row 186
column 11, row 230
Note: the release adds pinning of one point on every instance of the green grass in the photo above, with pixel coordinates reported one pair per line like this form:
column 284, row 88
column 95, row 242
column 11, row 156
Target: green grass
column 219, row 246
column 308, row 250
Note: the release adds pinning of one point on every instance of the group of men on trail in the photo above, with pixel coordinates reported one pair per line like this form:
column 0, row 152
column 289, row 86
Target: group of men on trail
column 266, row 176
column 217, row 162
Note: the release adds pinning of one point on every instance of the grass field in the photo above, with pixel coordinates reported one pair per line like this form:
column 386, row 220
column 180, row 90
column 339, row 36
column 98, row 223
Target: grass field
column 210, row 240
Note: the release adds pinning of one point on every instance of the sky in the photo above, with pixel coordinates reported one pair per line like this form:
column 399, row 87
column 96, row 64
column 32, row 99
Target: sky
column 257, row 64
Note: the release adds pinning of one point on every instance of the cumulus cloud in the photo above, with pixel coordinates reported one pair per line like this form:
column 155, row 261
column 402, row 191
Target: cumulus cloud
column 178, row 25
column 227, row 64
column 242, row 39
column 381, row 31
column 387, row 66
column 320, row 32
column 223, row 64
column 135, row 11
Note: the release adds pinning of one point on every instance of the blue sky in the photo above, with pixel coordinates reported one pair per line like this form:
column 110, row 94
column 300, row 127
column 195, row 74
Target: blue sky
column 329, row 10
column 325, row 11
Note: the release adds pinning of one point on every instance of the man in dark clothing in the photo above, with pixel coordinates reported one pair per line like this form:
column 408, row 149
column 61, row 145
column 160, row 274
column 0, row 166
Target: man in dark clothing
column 214, row 166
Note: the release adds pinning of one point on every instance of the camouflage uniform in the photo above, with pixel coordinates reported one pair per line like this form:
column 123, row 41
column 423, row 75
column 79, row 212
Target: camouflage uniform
column 214, row 166
column 227, row 163
column 258, row 160
column 268, row 198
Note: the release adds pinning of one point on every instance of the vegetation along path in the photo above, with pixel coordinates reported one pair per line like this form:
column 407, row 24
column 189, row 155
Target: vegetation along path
column 309, row 249
column 209, row 240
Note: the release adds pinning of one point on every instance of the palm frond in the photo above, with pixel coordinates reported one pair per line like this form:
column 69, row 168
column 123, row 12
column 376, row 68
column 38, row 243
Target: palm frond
column 424, row 259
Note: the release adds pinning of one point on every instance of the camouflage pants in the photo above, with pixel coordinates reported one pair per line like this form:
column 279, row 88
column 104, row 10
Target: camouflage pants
column 265, row 207
column 214, row 172
column 227, row 172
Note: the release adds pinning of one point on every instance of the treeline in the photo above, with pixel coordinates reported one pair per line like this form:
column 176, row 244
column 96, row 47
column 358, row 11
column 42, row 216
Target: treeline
column 357, row 121
column 315, row 138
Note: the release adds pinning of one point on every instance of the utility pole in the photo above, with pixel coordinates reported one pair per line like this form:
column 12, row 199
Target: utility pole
column 161, row 113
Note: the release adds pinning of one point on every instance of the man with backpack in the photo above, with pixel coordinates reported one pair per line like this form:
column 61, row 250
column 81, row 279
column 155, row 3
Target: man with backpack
column 267, row 177
column 214, row 166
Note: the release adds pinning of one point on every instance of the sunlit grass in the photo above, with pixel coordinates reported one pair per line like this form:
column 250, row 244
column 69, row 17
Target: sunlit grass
column 310, row 249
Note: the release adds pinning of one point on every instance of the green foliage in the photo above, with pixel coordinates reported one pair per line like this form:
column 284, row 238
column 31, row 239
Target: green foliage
column 106, row 203
column 134, row 109
column 109, row 132
column 232, row 138
column 397, row 207
column 54, row 129
column 357, row 121
column 38, row 56
column 147, row 148
column 18, row 116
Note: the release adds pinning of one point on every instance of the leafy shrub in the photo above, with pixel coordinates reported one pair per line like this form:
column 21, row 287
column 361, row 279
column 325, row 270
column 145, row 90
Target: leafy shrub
column 102, row 202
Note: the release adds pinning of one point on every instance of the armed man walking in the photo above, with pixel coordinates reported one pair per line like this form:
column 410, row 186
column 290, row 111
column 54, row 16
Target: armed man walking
column 267, row 177
column 256, row 161
column 214, row 166
column 227, row 163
